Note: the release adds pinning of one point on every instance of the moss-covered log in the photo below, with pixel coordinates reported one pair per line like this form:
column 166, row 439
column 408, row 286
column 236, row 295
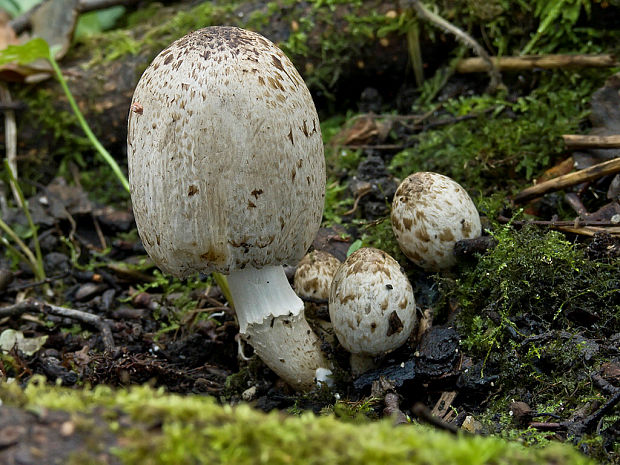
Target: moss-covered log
column 144, row 426
column 335, row 46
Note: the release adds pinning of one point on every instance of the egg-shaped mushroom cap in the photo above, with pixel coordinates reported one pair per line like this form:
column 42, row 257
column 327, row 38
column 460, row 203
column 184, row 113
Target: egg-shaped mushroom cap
column 371, row 303
column 314, row 274
column 226, row 162
column 430, row 213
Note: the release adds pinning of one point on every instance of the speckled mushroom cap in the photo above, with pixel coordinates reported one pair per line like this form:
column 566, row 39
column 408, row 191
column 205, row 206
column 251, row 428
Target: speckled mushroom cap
column 314, row 274
column 226, row 162
column 371, row 303
column 430, row 213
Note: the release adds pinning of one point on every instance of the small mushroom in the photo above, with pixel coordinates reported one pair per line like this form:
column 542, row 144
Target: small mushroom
column 430, row 213
column 371, row 306
column 314, row 274
column 227, row 174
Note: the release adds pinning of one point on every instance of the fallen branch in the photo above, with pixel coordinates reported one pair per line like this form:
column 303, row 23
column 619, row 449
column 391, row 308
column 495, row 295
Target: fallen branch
column 567, row 180
column 31, row 305
column 520, row 63
column 578, row 141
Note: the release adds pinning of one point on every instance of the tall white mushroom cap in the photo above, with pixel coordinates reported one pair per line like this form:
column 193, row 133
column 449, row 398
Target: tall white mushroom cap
column 227, row 174
column 371, row 303
column 226, row 160
column 430, row 213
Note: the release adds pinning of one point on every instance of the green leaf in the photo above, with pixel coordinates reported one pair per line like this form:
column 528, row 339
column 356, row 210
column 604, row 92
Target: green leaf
column 32, row 50
column 357, row 244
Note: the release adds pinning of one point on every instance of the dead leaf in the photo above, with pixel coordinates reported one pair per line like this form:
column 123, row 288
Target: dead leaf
column 54, row 21
column 365, row 130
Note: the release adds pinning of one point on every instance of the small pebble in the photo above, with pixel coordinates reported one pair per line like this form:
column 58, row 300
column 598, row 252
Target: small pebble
column 249, row 394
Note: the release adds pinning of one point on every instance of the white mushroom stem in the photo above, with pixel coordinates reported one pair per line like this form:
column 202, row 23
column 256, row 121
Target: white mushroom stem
column 361, row 364
column 271, row 320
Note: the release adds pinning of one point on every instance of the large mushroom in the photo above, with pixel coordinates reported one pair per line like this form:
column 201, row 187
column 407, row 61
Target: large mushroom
column 227, row 174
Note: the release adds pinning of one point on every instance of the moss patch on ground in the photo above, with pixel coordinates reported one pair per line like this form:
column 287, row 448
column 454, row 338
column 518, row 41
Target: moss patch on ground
column 152, row 427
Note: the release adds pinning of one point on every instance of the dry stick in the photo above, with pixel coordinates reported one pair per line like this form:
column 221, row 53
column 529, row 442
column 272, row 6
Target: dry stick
column 561, row 223
column 32, row 305
column 525, row 62
column 443, row 404
column 578, row 141
column 424, row 414
column 570, row 179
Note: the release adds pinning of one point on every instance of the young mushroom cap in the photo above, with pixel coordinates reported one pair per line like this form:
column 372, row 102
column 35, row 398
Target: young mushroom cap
column 430, row 213
column 227, row 174
column 371, row 303
column 314, row 274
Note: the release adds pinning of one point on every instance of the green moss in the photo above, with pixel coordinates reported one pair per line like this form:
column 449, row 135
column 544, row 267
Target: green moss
column 163, row 429
column 508, row 138
column 56, row 128
column 532, row 309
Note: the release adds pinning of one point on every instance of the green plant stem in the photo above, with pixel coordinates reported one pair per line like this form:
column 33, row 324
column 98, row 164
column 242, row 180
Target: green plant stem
column 38, row 261
column 8, row 245
column 222, row 282
column 89, row 133
column 27, row 256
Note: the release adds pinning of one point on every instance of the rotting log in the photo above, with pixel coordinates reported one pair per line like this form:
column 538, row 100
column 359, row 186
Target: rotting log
column 103, row 72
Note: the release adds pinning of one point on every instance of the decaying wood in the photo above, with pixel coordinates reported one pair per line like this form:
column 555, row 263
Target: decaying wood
column 520, row 63
column 442, row 407
column 578, row 141
column 568, row 180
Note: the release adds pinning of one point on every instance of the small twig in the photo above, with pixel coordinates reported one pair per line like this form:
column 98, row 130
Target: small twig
column 525, row 62
column 590, row 422
column 49, row 280
column 555, row 223
column 424, row 414
column 579, row 428
column 568, row 180
column 31, row 305
column 578, row 141
column 358, row 197
column 463, row 37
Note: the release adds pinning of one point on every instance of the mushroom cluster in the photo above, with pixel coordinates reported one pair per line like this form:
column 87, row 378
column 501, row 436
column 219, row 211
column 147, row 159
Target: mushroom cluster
column 430, row 213
column 227, row 174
